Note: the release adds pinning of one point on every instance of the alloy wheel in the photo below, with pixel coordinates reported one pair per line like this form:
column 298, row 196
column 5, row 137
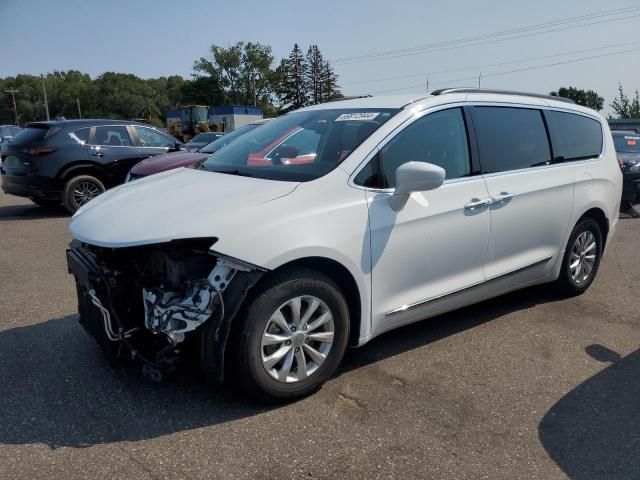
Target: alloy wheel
column 583, row 257
column 297, row 339
column 84, row 192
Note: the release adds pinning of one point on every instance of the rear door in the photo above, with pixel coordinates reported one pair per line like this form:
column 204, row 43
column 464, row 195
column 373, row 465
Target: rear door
column 532, row 195
column 112, row 146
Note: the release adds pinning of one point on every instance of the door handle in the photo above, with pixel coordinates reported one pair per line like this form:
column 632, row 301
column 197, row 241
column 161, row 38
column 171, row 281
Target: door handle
column 99, row 154
column 503, row 197
column 477, row 203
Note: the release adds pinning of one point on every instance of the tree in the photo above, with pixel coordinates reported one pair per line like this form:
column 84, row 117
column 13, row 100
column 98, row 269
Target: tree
column 586, row 98
column 625, row 107
column 330, row 89
column 294, row 91
column 315, row 73
column 243, row 71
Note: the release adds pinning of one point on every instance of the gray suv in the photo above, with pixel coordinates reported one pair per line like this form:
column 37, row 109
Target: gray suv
column 73, row 161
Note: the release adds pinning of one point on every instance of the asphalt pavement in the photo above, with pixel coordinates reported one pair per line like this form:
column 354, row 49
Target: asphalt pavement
column 528, row 385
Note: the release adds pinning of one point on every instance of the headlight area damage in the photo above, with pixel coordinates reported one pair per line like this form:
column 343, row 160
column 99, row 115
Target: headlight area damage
column 154, row 302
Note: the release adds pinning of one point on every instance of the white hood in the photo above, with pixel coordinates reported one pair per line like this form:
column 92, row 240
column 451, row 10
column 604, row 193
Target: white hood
column 184, row 203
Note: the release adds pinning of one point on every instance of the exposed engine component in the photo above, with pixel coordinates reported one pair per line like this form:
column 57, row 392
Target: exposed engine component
column 151, row 303
column 175, row 314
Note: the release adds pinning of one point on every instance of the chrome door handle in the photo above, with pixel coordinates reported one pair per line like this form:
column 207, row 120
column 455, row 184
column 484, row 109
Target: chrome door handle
column 503, row 197
column 477, row 203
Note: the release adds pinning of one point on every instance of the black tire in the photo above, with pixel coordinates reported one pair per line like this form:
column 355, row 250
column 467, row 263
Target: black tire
column 566, row 283
column 248, row 369
column 70, row 197
column 46, row 202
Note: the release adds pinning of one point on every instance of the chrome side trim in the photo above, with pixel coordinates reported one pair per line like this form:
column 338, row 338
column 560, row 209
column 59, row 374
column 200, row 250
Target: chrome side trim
column 411, row 306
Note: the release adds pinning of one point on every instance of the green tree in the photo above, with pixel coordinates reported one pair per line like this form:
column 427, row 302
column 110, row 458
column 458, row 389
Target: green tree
column 294, row 90
column 624, row 107
column 586, row 98
column 315, row 74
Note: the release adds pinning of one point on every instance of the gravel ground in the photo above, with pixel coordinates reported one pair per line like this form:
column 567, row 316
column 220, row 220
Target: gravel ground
column 523, row 386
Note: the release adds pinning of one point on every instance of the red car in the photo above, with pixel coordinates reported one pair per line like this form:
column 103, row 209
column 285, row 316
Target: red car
column 187, row 158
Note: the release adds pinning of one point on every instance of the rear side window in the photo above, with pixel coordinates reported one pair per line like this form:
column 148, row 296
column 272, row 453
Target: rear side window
column 574, row 137
column 511, row 138
column 30, row 135
column 116, row 136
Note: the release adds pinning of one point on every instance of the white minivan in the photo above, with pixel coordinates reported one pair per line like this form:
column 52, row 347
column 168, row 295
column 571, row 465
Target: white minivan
column 335, row 223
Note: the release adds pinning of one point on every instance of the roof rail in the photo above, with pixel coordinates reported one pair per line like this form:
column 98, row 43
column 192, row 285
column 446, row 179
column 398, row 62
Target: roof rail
column 444, row 91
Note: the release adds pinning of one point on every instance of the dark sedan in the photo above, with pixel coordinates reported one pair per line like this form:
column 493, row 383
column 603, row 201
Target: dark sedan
column 73, row 161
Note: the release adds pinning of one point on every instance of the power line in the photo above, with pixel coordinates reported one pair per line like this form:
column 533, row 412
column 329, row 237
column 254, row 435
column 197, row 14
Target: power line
column 524, row 69
column 490, row 38
column 490, row 65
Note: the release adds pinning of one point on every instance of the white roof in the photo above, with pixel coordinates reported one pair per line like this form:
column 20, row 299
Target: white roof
column 423, row 100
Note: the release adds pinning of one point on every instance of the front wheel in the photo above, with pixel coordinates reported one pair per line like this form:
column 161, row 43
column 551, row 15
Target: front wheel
column 582, row 258
column 81, row 190
column 293, row 335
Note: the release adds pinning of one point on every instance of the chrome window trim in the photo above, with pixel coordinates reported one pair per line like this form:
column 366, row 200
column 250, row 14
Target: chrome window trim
column 476, row 103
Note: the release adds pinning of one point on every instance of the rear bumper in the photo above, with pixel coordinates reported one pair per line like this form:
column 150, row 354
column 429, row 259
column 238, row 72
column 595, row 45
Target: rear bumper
column 31, row 186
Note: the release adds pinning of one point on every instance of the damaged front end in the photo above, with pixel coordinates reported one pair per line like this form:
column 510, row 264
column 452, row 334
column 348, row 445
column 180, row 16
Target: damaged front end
column 156, row 302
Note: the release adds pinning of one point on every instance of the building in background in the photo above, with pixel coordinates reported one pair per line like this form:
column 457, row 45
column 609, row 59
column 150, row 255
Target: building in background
column 230, row 117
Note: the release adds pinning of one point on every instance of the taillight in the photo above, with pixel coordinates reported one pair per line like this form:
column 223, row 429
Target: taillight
column 38, row 151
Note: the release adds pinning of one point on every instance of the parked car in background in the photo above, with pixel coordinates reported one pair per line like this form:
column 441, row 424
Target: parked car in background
column 202, row 139
column 627, row 145
column 73, row 161
column 411, row 206
column 172, row 160
column 7, row 132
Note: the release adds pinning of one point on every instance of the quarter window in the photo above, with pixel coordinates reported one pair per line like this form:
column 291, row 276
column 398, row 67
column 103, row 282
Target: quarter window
column 574, row 137
column 511, row 138
column 116, row 136
column 439, row 138
column 151, row 138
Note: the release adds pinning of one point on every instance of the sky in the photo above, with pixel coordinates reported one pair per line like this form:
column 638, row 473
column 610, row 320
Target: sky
column 152, row 38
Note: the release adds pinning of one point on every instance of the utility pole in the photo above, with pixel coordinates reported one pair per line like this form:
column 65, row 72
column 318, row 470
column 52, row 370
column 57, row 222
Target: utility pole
column 480, row 80
column 13, row 92
column 46, row 102
column 427, row 84
column 79, row 112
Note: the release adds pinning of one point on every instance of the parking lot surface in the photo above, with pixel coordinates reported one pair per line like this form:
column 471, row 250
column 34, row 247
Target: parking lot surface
column 527, row 385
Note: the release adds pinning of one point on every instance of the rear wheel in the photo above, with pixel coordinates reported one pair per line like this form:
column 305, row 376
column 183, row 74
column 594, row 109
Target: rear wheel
column 582, row 258
column 81, row 190
column 293, row 335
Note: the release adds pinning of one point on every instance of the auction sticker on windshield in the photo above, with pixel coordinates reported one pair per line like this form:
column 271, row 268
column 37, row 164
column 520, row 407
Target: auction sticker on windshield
column 357, row 116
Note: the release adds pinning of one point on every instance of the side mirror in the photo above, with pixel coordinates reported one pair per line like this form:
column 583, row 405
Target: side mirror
column 415, row 177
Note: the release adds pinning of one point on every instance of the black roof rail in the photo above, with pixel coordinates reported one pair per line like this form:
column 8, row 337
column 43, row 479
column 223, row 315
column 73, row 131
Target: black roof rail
column 352, row 97
column 444, row 91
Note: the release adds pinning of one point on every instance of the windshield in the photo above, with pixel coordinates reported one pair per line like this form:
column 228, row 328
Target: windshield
column 627, row 143
column 300, row 146
column 228, row 138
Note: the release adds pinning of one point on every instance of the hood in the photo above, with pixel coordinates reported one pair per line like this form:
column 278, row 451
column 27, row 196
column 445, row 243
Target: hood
column 167, row 161
column 179, row 204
